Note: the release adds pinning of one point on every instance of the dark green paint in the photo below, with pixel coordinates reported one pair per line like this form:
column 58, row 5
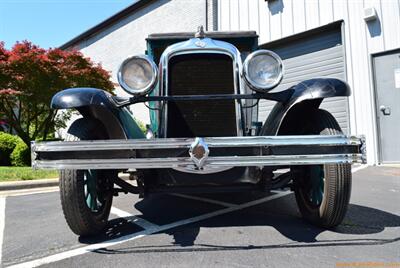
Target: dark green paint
column 91, row 195
column 317, row 176
column 129, row 124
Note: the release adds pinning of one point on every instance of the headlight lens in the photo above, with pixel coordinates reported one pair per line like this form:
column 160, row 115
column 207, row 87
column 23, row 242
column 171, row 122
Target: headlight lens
column 263, row 70
column 137, row 75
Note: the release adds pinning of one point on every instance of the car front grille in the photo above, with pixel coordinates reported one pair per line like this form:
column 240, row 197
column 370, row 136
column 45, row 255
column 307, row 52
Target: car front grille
column 201, row 74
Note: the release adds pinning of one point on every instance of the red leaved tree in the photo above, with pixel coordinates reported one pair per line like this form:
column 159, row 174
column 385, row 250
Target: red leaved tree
column 30, row 76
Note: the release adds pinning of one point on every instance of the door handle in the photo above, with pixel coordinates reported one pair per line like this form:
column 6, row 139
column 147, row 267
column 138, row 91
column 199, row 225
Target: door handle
column 385, row 110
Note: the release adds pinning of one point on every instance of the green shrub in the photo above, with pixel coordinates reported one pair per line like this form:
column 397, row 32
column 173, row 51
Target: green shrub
column 7, row 145
column 20, row 156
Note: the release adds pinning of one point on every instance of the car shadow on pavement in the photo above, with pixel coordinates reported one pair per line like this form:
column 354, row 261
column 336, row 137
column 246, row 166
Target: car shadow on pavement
column 280, row 214
column 116, row 228
column 214, row 248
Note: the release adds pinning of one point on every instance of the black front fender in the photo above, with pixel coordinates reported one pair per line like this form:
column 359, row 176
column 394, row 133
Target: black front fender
column 304, row 96
column 98, row 104
column 320, row 88
column 80, row 97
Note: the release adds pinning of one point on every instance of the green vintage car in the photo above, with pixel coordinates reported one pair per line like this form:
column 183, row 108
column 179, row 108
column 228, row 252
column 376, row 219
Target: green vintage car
column 202, row 90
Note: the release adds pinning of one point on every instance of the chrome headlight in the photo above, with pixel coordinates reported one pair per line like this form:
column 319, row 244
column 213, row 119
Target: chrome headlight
column 137, row 75
column 263, row 70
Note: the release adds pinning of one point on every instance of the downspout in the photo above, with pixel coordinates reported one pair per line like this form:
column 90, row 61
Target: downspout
column 206, row 1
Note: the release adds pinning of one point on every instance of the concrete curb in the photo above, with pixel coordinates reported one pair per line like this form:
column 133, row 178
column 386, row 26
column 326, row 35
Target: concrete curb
column 18, row 185
column 31, row 184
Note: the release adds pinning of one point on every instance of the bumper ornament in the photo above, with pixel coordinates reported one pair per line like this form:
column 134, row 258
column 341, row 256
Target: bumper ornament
column 199, row 152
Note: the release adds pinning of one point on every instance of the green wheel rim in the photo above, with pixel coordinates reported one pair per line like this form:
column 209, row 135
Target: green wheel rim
column 317, row 183
column 91, row 192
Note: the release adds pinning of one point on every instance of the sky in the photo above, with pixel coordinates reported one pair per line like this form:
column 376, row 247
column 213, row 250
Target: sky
column 51, row 23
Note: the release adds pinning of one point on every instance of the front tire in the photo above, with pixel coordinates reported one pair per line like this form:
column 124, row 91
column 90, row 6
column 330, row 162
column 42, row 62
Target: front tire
column 86, row 195
column 323, row 191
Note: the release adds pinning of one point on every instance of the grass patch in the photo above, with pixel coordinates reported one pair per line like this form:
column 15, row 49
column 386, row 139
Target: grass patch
column 25, row 173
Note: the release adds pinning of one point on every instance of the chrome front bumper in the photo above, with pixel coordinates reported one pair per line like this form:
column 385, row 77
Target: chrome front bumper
column 199, row 153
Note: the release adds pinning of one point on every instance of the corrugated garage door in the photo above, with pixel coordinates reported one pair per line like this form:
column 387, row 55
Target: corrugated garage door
column 312, row 56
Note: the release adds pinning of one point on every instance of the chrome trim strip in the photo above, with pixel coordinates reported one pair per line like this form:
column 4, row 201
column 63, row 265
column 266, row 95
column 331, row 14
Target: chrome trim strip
column 212, row 142
column 177, row 162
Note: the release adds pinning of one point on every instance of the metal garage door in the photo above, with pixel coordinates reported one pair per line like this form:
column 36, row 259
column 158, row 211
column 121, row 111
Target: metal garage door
column 312, row 55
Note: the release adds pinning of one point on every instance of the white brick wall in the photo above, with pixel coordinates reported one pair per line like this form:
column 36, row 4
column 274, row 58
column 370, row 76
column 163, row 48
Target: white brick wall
column 112, row 45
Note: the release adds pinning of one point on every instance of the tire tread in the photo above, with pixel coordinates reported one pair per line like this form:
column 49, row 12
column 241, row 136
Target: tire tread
column 77, row 215
column 337, row 177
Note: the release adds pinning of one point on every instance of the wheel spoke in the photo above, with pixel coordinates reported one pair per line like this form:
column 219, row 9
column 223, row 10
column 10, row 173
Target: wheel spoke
column 319, row 196
column 85, row 188
column 89, row 200
column 91, row 183
column 93, row 204
column 316, row 192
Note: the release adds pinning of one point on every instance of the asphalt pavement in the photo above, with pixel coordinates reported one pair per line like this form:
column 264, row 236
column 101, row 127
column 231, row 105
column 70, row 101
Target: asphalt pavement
column 229, row 230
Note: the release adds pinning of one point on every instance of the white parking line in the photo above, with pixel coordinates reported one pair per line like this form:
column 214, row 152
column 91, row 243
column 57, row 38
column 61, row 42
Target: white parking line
column 120, row 213
column 212, row 201
column 354, row 170
column 130, row 237
column 132, row 218
column 2, row 223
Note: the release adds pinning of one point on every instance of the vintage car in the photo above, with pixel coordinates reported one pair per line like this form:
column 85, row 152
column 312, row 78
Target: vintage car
column 202, row 90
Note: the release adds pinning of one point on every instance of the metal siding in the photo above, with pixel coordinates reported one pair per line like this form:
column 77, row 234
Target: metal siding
column 234, row 11
column 252, row 16
column 318, row 56
column 274, row 10
column 312, row 11
column 391, row 23
column 299, row 17
column 225, row 13
column 287, row 19
column 361, row 39
column 326, row 11
column 264, row 23
column 243, row 13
